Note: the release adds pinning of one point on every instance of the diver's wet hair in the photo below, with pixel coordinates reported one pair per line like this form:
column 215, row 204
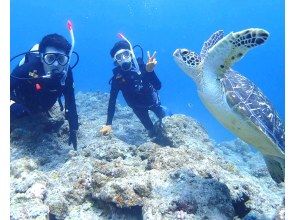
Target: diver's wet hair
column 119, row 45
column 54, row 40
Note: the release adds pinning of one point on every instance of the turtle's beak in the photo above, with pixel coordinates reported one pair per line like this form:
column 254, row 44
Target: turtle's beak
column 177, row 53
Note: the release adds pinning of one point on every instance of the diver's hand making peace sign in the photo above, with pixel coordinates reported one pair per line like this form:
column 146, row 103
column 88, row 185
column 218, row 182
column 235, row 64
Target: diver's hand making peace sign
column 151, row 62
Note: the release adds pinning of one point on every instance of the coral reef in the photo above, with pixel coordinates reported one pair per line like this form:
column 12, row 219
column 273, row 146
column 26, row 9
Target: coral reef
column 181, row 175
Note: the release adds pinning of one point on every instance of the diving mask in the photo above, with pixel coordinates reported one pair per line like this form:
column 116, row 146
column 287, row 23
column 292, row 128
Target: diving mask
column 122, row 55
column 50, row 58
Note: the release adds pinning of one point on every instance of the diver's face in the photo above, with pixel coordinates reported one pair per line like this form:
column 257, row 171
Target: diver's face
column 123, row 58
column 54, row 60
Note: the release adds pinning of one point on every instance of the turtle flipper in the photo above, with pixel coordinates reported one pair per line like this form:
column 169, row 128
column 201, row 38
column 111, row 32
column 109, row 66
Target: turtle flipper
column 275, row 168
column 232, row 48
column 214, row 38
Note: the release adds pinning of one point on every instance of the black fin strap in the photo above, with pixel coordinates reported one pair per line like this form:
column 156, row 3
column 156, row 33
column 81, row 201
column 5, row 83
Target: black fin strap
column 60, row 103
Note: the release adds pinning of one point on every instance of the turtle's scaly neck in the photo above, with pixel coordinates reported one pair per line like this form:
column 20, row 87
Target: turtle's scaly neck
column 209, row 85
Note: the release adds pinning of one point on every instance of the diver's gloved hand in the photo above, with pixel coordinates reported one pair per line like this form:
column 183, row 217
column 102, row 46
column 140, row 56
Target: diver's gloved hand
column 73, row 138
column 106, row 129
column 151, row 62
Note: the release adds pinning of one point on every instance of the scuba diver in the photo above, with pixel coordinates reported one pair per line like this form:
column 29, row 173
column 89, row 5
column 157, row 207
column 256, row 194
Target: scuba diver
column 139, row 85
column 42, row 77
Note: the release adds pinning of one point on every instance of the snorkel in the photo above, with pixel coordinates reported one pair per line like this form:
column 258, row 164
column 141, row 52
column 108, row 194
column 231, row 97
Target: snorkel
column 137, row 69
column 65, row 70
column 72, row 37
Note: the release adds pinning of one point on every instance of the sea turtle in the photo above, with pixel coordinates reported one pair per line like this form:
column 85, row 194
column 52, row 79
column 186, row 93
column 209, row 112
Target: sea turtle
column 235, row 101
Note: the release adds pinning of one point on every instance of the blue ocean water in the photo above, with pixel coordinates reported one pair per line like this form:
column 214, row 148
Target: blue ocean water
column 162, row 26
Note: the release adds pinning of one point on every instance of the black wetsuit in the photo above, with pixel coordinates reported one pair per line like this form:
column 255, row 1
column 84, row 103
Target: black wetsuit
column 40, row 94
column 140, row 93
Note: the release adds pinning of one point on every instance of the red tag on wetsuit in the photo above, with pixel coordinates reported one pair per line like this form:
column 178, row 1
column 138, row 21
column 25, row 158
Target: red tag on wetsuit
column 38, row 87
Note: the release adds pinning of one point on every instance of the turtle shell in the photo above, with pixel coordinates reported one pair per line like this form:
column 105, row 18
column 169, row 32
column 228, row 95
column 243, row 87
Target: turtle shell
column 247, row 100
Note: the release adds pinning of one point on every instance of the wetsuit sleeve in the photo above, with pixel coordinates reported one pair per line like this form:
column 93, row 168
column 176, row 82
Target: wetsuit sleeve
column 112, row 101
column 151, row 77
column 70, row 102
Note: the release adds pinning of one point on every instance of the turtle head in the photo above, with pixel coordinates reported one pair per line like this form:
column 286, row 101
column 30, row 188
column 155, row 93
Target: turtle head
column 188, row 61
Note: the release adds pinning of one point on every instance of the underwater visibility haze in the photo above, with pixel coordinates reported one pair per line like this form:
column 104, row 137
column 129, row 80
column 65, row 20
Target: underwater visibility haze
column 160, row 26
column 62, row 167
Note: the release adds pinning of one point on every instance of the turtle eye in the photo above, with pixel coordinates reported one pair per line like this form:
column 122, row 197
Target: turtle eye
column 185, row 52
